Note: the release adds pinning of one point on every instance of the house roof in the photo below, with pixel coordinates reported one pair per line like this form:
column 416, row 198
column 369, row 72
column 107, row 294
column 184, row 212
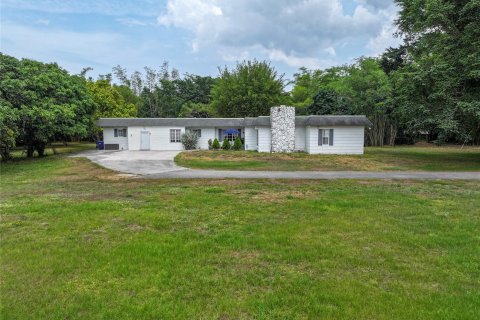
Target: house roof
column 302, row 121
column 343, row 120
column 181, row 122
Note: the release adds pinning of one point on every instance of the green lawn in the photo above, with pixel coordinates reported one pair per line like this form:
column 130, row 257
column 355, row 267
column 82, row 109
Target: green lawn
column 55, row 148
column 374, row 159
column 80, row 242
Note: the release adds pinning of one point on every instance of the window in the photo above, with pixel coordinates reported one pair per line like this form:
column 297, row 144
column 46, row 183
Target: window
column 175, row 135
column 325, row 137
column 230, row 134
column 119, row 132
column 198, row 132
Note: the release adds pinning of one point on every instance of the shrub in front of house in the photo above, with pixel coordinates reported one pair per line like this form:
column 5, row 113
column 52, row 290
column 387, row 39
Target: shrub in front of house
column 226, row 145
column 189, row 140
column 215, row 144
column 210, row 142
column 237, row 145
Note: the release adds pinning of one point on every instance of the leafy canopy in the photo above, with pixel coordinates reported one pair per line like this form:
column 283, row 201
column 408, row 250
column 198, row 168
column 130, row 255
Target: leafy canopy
column 50, row 103
column 249, row 90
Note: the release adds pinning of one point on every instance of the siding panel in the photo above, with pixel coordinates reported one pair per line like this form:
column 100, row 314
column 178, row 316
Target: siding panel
column 108, row 138
column 300, row 138
column 347, row 140
column 264, row 139
column 159, row 138
column 250, row 139
column 207, row 133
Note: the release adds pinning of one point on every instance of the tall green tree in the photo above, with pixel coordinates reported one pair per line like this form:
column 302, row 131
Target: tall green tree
column 439, row 90
column 109, row 103
column 8, row 129
column 369, row 92
column 360, row 88
column 249, row 90
column 50, row 103
column 328, row 101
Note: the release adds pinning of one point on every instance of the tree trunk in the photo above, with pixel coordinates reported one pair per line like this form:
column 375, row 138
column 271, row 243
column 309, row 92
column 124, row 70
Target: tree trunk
column 53, row 148
column 392, row 135
column 40, row 149
column 30, row 151
column 376, row 134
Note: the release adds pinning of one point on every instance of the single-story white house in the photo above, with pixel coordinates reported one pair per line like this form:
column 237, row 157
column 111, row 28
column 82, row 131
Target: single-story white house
column 282, row 131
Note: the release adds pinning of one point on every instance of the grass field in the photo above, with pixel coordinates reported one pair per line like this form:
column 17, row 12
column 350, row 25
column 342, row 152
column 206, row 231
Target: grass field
column 374, row 159
column 55, row 148
column 80, row 242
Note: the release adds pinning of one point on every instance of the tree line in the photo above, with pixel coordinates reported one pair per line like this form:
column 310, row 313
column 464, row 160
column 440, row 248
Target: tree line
column 428, row 86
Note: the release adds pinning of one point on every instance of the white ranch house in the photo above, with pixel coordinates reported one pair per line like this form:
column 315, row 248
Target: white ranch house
column 282, row 131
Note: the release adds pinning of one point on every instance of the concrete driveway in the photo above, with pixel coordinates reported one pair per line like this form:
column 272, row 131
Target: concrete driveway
column 160, row 164
column 134, row 162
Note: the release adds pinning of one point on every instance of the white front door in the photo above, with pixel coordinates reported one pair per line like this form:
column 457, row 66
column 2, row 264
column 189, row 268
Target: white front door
column 144, row 140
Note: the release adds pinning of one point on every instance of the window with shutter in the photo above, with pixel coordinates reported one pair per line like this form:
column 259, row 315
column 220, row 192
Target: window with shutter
column 325, row 137
column 115, row 132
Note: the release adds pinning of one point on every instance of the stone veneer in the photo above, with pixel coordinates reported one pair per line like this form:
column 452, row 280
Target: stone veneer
column 282, row 121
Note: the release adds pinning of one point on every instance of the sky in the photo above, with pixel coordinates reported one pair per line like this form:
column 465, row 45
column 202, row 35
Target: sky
column 196, row 36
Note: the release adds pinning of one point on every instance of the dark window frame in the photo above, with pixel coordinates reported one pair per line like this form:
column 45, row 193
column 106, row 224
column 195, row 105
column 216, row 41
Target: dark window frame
column 175, row 135
column 120, row 132
column 325, row 137
column 198, row 132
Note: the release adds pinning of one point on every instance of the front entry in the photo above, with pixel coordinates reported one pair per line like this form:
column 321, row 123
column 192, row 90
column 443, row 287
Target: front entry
column 145, row 140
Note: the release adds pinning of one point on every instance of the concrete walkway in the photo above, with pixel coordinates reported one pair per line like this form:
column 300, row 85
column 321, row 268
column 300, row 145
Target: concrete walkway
column 160, row 165
column 140, row 163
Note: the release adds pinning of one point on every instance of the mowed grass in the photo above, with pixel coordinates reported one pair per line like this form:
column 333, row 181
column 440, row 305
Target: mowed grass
column 80, row 242
column 374, row 159
column 55, row 148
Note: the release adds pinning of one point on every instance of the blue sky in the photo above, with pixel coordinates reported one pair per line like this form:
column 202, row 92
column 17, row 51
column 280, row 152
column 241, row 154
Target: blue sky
column 195, row 36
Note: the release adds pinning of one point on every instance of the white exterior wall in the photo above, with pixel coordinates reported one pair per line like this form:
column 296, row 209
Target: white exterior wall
column 346, row 140
column 159, row 138
column 207, row 133
column 264, row 139
column 300, row 138
column 250, row 138
column 108, row 138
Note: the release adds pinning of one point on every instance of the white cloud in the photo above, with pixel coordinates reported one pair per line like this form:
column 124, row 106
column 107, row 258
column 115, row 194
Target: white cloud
column 377, row 4
column 190, row 14
column 194, row 45
column 297, row 62
column 296, row 32
column 44, row 22
column 384, row 39
column 330, row 51
column 132, row 22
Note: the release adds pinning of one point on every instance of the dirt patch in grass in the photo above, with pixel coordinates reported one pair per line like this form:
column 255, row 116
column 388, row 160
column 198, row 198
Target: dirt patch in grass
column 273, row 195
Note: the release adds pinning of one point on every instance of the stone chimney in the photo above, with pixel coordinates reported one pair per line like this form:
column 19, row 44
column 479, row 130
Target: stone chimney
column 282, row 121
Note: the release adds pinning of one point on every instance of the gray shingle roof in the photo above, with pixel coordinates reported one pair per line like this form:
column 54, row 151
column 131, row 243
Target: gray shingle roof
column 233, row 122
column 301, row 121
column 181, row 122
column 337, row 121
